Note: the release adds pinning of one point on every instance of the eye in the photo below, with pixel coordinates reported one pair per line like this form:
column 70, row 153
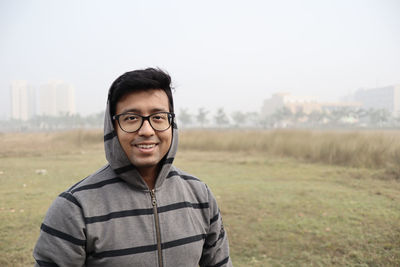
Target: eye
column 159, row 117
column 130, row 118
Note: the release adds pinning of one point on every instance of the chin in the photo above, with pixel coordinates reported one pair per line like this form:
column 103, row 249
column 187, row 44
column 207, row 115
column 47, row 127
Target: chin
column 144, row 164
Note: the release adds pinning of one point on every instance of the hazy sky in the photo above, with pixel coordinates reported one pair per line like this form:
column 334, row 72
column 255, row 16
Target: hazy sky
column 230, row 54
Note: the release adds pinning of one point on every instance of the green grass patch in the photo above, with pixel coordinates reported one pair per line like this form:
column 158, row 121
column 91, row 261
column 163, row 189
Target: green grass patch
column 278, row 211
column 26, row 193
column 282, row 212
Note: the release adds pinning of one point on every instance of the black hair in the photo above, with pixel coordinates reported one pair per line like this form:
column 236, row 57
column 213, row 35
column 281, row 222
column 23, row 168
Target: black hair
column 139, row 80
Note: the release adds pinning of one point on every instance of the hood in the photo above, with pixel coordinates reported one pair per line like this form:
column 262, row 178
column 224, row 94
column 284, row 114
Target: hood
column 120, row 163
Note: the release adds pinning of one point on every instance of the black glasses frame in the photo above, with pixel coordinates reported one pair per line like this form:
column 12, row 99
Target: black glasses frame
column 170, row 115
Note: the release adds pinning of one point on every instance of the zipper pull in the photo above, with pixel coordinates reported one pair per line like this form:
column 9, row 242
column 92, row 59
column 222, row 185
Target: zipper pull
column 153, row 198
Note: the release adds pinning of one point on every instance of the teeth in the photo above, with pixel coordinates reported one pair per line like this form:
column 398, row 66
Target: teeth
column 146, row 146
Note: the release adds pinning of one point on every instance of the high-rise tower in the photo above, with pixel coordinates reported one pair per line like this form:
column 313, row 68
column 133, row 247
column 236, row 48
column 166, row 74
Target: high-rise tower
column 56, row 98
column 23, row 101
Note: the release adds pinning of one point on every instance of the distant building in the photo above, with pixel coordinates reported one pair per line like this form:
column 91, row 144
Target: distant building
column 56, row 98
column 387, row 98
column 23, row 101
column 304, row 104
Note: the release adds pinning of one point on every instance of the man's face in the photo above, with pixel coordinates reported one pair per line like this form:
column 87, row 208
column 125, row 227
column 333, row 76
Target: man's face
column 145, row 147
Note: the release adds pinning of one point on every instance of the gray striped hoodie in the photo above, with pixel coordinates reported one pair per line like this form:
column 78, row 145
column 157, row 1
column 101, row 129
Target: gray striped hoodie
column 111, row 218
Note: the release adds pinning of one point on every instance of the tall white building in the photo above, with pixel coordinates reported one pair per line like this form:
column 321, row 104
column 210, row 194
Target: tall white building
column 23, row 101
column 56, row 98
column 387, row 98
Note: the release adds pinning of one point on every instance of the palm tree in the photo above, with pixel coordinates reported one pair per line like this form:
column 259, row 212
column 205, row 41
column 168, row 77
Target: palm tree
column 201, row 116
column 221, row 119
column 185, row 117
column 239, row 118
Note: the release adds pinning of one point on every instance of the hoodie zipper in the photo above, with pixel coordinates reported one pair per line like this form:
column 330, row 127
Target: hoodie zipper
column 157, row 222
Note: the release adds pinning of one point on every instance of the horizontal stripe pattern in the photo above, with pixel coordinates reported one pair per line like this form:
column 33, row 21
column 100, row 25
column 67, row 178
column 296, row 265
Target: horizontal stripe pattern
column 140, row 212
column 118, row 214
column 182, row 176
column 224, row 261
column 109, row 136
column 75, row 185
column 183, row 241
column 97, row 185
column 46, row 264
column 148, row 248
column 214, row 219
column 124, row 252
column 70, row 198
column 64, row 236
column 124, row 169
column 221, row 235
column 181, row 205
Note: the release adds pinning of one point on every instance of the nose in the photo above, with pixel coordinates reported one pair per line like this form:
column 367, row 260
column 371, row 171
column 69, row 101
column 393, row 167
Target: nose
column 146, row 129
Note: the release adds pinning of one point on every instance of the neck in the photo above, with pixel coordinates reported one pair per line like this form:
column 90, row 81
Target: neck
column 149, row 175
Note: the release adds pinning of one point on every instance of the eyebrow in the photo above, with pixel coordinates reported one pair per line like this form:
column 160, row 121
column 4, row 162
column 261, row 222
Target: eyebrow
column 138, row 111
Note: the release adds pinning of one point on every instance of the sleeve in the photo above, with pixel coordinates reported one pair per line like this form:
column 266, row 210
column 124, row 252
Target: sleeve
column 62, row 238
column 216, row 246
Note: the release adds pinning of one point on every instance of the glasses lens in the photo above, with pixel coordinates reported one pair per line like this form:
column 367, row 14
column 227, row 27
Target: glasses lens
column 130, row 122
column 160, row 121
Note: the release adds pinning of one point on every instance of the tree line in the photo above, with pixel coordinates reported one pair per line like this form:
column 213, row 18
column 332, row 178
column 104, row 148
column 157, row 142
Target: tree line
column 342, row 117
column 49, row 123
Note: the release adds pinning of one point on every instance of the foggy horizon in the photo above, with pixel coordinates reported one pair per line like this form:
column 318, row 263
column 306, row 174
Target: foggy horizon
column 225, row 54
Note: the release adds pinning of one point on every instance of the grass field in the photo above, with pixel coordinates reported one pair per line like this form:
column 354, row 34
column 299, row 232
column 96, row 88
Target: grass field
column 279, row 209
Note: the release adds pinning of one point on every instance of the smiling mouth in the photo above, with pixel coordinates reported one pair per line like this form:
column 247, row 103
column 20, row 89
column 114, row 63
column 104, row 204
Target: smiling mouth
column 146, row 146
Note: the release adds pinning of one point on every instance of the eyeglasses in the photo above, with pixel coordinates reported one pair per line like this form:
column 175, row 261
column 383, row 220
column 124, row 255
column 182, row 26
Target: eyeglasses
column 131, row 122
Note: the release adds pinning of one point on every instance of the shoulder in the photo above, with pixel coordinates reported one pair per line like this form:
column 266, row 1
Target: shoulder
column 101, row 177
column 182, row 179
column 105, row 179
column 95, row 183
column 176, row 174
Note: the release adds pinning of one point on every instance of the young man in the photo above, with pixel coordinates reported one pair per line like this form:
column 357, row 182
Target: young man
column 138, row 210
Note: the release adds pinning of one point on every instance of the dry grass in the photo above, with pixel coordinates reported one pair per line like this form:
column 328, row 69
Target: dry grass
column 42, row 143
column 369, row 149
column 366, row 149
